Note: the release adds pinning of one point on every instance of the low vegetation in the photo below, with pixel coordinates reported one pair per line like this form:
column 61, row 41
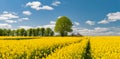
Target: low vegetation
column 34, row 49
column 102, row 47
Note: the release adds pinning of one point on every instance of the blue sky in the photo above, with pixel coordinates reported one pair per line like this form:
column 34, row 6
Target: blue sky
column 98, row 16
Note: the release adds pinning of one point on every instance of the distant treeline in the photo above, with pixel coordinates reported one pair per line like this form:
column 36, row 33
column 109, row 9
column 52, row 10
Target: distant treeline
column 28, row 32
column 63, row 26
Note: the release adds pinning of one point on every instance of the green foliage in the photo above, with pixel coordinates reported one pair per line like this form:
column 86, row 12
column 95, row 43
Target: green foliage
column 1, row 32
column 63, row 26
column 28, row 32
column 42, row 31
column 48, row 32
column 22, row 32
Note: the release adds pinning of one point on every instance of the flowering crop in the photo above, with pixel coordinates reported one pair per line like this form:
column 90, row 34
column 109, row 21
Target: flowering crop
column 73, row 51
column 99, row 47
column 34, row 48
column 105, row 47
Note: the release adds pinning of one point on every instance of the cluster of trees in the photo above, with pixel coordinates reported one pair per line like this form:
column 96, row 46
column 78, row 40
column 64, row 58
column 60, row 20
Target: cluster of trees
column 28, row 32
column 63, row 26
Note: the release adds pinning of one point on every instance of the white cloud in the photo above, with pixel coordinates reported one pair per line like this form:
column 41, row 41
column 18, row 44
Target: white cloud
column 6, row 15
column 46, row 8
column 59, row 16
column 5, row 25
column 25, row 27
column 76, row 23
column 22, row 19
column 56, row 3
column 103, row 22
column 90, row 22
column 50, row 25
column 114, row 16
column 52, row 22
column 97, row 31
column 27, row 13
column 5, row 12
column 35, row 5
column 38, row 6
column 111, row 17
column 11, row 21
column 11, row 17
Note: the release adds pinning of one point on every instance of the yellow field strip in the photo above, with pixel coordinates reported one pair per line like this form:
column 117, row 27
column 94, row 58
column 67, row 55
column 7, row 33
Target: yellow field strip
column 33, row 49
column 73, row 51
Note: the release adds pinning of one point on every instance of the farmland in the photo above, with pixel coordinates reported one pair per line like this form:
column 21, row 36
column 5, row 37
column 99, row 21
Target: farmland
column 97, row 47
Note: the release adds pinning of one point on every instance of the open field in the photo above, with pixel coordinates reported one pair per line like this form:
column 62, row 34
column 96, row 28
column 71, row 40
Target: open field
column 97, row 47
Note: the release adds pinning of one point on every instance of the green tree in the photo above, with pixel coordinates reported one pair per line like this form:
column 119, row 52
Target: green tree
column 13, row 33
column 47, row 31
column 42, row 31
column 63, row 25
column 1, row 32
column 30, row 32
column 22, row 32
column 35, row 32
column 52, row 33
column 18, row 32
column 38, row 30
column 5, row 32
column 8, row 32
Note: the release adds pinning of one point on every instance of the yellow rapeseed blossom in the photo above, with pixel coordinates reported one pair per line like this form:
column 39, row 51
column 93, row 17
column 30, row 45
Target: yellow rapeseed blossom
column 94, row 47
column 73, row 51
column 105, row 47
column 37, row 48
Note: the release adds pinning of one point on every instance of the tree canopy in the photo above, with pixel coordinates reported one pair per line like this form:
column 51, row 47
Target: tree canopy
column 63, row 25
column 27, row 32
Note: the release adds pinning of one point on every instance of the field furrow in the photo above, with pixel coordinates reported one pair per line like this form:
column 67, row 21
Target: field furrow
column 73, row 51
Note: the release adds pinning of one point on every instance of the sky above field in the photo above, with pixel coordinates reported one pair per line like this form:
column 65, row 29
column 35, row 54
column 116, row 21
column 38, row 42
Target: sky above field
column 89, row 17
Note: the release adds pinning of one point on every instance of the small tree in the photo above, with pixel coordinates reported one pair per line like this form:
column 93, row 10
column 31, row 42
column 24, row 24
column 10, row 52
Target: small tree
column 51, row 33
column 9, row 32
column 1, row 32
column 5, row 32
column 48, row 32
column 30, row 32
column 63, row 26
column 35, row 32
column 22, row 32
column 42, row 31
column 17, row 32
column 38, row 30
column 13, row 33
